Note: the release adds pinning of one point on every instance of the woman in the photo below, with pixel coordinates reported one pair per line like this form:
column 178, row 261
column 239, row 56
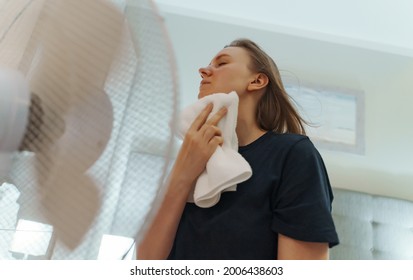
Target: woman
column 283, row 211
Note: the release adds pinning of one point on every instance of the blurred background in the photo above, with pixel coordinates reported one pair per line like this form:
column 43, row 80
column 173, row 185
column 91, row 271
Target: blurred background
column 351, row 62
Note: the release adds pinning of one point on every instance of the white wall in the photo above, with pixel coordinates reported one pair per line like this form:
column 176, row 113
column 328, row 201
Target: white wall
column 364, row 46
column 380, row 24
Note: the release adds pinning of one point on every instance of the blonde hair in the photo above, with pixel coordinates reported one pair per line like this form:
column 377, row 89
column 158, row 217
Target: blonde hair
column 275, row 109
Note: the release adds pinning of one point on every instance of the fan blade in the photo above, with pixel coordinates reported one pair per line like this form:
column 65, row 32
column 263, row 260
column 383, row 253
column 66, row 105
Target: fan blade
column 67, row 61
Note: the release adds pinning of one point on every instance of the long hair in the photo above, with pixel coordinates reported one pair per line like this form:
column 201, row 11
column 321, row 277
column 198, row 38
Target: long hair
column 275, row 109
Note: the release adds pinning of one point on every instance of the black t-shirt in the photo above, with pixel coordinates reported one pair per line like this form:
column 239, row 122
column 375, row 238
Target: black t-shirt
column 288, row 193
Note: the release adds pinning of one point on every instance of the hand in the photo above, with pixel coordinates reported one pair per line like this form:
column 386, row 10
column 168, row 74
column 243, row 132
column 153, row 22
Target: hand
column 200, row 142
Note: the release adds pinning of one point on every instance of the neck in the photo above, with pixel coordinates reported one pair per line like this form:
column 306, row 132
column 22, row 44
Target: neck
column 247, row 127
column 247, row 134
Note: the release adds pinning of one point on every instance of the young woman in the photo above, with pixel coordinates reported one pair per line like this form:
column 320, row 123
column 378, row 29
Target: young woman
column 283, row 211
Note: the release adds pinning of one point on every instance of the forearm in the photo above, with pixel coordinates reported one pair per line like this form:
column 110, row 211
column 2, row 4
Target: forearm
column 160, row 236
column 292, row 249
column 201, row 140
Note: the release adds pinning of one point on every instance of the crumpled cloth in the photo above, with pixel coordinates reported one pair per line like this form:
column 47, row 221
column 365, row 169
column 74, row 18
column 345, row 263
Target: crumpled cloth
column 226, row 168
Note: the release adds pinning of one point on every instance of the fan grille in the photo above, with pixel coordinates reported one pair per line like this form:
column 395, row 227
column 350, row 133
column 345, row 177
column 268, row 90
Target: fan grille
column 95, row 156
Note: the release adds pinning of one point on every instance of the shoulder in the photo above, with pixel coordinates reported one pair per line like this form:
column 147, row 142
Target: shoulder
column 278, row 148
column 289, row 141
column 295, row 147
column 288, row 138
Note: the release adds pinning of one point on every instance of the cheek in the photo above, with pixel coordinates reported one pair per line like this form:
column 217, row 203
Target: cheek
column 238, row 83
column 229, row 81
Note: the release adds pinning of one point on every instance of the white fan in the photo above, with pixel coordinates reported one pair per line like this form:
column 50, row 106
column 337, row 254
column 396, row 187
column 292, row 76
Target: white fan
column 88, row 91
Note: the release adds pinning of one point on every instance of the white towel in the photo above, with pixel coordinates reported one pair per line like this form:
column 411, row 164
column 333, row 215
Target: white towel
column 226, row 167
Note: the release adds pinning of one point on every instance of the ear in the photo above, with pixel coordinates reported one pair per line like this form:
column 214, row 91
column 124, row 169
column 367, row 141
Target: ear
column 259, row 81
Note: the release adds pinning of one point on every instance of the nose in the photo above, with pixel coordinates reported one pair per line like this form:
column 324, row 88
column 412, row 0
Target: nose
column 205, row 71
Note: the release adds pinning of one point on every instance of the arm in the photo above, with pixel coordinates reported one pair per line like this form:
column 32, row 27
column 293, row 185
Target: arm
column 303, row 206
column 200, row 142
column 292, row 249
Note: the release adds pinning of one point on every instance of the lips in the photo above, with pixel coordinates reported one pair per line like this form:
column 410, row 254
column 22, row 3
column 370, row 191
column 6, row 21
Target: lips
column 203, row 91
column 203, row 82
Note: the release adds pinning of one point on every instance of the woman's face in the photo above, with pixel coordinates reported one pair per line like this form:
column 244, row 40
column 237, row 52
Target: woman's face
column 228, row 71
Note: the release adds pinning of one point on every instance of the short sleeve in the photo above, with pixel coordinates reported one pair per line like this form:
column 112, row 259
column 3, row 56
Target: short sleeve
column 301, row 203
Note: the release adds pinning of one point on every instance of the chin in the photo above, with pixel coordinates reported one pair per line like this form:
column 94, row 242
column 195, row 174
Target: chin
column 203, row 94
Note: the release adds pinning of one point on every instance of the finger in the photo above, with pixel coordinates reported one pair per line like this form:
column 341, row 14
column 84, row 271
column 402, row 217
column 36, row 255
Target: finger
column 210, row 132
column 201, row 118
column 214, row 120
column 216, row 141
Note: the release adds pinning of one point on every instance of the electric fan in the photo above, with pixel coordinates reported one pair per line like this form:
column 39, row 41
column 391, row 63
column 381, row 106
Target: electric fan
column 88, row 99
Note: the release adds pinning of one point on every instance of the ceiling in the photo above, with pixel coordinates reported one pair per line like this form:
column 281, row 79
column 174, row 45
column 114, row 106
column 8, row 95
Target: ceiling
column 361, row 47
